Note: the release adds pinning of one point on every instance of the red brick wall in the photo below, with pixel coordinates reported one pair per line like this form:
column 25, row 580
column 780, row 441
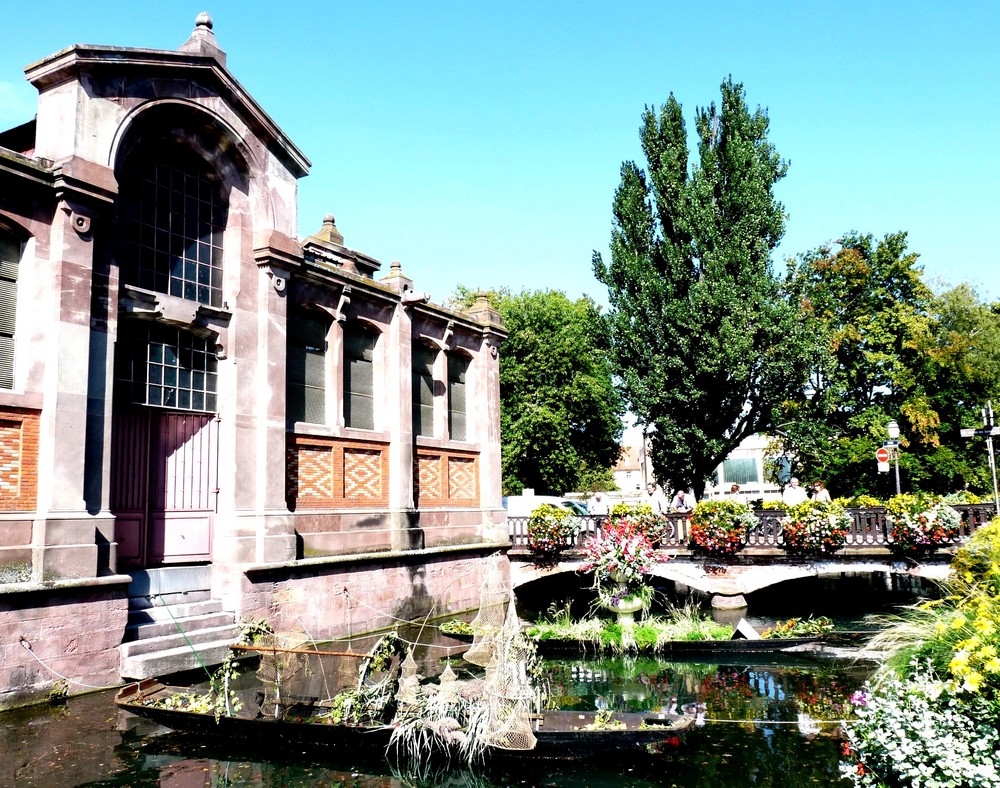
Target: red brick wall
column 327, row 473
column 446, row 478
column 18, row 459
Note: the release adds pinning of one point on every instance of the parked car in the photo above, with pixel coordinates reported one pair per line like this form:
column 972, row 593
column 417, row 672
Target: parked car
column 524, row 505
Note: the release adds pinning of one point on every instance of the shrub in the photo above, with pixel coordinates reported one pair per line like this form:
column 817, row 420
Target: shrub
column 918, row 733
column 815, row 528
column 774, row 503
column 920, row 524
column 862, row 502
column 551, row 529
column 719, row 527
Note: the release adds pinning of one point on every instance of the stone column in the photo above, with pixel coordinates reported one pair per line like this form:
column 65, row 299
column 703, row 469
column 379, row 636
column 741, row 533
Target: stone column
column 76, row 382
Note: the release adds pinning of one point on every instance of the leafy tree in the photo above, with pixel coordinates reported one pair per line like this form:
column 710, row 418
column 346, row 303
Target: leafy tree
column 890, row 349
column 560, row 415
column 702, row 338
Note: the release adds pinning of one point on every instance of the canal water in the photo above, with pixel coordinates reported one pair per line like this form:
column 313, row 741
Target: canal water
column 761, row 722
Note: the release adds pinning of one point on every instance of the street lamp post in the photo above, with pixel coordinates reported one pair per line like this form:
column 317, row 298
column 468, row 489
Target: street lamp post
column 893, row 429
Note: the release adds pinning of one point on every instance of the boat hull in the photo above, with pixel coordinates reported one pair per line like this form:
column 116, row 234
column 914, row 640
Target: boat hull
column 559, row 735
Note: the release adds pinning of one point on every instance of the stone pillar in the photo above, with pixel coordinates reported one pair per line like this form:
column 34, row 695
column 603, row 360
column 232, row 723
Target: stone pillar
column 398, row 411
column 75, row 379
column 487, row 395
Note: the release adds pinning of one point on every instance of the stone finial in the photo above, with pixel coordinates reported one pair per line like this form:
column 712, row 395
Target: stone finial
column 482, row 311
column 202, row 40
column 329, row 232
column 396, row 280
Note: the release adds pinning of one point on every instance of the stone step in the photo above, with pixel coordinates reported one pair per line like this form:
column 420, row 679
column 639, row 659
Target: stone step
column 167, row 643
column 160, row 664
column 168, row 600
column 169, row 580
column 173, row 612
column 145, row 630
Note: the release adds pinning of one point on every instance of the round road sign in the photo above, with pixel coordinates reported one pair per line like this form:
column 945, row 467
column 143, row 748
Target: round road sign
column 882, row 454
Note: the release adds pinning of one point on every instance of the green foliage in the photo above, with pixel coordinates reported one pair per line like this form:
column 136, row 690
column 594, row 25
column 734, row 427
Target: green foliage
column 799, row 628
column 702, row 337
column 560, row 415
column 890, row 349
column 814, row 528
column 551, row 529
column 719, row 527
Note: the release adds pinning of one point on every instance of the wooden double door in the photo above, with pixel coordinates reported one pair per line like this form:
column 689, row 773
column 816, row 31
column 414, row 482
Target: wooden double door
column 164, row 485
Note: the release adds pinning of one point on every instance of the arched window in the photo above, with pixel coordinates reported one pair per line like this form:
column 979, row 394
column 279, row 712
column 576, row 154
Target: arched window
column 10, row 260
column 173, row 217
column 165, row 367
column 458, row 368
column 423, row 389
column 306, row 372
column 359, row 376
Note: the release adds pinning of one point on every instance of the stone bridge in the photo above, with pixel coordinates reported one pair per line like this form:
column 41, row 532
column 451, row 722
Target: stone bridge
column 726, row 584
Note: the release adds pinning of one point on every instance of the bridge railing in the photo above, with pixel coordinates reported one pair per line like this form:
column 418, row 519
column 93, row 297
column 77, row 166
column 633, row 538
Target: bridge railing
column 868, row 527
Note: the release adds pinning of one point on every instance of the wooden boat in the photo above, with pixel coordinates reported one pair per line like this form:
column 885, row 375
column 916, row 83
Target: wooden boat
column 559, row 734
column 721, row 648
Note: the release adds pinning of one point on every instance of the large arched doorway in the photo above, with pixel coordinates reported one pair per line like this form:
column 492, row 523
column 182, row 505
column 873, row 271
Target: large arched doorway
column 165, row 437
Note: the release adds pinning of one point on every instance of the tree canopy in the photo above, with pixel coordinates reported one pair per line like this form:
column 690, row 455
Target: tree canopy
column 560, row 414
column 703, row 340
column 889, row 348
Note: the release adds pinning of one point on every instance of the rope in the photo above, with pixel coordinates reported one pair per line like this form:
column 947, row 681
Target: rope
column 778, row 722
column 54, row 672
column 194, row 651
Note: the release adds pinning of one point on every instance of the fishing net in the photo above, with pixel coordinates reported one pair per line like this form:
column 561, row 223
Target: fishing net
column 409, row 681
column 493, row 595
column 508, row 691
column 278, row 665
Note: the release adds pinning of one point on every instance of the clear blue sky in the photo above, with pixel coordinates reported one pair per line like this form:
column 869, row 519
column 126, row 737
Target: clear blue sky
column 480, row 143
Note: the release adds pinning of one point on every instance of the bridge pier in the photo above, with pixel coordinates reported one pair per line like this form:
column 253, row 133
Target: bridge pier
column 729, row 602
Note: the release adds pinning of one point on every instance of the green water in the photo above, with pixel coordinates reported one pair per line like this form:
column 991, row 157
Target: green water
column 762, row 722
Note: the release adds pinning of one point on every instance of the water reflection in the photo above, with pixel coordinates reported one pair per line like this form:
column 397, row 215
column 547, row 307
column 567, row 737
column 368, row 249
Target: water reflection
column 764, row 723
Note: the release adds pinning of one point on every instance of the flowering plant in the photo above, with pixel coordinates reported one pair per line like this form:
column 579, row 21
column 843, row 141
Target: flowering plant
column 551, row 529
column 622, row 554
column 920, row 524
column 719, row 527
column 815, row 528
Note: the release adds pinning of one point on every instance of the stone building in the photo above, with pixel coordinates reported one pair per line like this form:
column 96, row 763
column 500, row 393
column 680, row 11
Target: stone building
column 201, row 416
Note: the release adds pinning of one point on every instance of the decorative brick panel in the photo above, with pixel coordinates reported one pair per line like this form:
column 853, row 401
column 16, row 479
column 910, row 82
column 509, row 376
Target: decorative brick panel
column 327, row 473
column 18, row 460
column 446, row 478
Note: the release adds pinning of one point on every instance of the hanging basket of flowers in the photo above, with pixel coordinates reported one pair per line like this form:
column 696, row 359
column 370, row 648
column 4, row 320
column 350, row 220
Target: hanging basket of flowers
column 814, row 528
column 719, row 527
column 920, row 524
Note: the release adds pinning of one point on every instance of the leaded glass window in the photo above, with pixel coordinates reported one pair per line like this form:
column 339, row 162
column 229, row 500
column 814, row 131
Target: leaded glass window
column 306, row 371
column 359, row 377
column 458, row 367
column 173, row 222
column 423, row 389
column 166, row 367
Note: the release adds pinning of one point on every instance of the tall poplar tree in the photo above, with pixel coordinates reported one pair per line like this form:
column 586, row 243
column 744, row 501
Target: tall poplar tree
column 703, row 340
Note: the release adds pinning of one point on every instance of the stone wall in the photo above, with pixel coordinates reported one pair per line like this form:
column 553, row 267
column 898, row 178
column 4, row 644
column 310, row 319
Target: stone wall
column 349, row 596
column 75, row 630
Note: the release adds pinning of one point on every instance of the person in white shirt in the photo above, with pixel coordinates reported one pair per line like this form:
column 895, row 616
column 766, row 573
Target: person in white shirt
column 598, row 504
column 793, row 494
column 682, row 503
column 655, row 499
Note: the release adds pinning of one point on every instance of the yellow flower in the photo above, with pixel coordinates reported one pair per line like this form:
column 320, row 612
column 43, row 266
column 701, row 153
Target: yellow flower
column 972, row 682
column 959, row 621
column 992, row 665
column 959, row 663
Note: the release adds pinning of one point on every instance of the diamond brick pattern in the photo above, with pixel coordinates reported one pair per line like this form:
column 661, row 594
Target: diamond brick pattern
column 314, row 473
column 18, row 460
column 428, row 478
column 363, row 474
column 10, row 459
column 462, row 479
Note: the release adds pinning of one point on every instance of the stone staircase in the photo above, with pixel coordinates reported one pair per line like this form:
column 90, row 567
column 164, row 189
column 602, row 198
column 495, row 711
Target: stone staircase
column 172, row 616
